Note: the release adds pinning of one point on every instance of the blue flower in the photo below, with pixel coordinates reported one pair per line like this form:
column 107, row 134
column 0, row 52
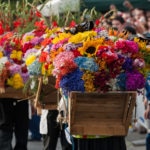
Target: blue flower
column 121, row 82
column 72, row 82
column 35, row 68
column 87, row 63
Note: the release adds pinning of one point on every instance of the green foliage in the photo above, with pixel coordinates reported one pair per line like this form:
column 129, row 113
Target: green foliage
column 21, row 14
column 18, row 15
column 27, row 87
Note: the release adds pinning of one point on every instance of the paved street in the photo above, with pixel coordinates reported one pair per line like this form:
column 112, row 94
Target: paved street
column 134, row 141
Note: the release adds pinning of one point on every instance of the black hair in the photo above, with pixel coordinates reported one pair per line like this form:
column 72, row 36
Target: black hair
column 130, row 29
column 120, row 19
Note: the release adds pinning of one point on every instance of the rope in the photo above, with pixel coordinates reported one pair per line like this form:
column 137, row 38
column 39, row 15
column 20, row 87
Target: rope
column 27, row 98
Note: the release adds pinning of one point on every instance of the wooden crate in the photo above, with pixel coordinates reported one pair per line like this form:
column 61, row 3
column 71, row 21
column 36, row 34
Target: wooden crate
column 11, row 92
column 48, row 94
column 100, row 113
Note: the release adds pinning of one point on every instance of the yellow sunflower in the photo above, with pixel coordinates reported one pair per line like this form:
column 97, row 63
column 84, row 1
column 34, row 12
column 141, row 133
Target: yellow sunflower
column 89, row 47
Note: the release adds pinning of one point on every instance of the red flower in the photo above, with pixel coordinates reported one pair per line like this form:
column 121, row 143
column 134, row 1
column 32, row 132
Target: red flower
column 27, row 46
column 76, row 53
column 46, row 41
column 38, row 14
column 72, row 24
column 43, row 57
column 54, row 24
column 46, row 66
column 17, row 40
column 40, row 25
column 7, row 27
column 17, row 23
column 97, row 22
column 24, row 69
column 1, row 29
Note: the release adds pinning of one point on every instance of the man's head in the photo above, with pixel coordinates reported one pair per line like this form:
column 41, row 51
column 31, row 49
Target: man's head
column 118, row 23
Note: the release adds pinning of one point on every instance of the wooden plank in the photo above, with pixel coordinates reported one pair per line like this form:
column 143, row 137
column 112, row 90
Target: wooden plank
column 130, row 111
column 100, row 113
column 11, row 92
column 94, row 129
column 48, row 95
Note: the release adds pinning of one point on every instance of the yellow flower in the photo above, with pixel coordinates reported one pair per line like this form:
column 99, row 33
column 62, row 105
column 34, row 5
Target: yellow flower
column 43, row 70
column 81, row 37
column 19, row 55
column 1, row 54
column 50, row 68
column 141, row 43
column 102, row 64
column 49, row 32
column 89, row 47
column 61, row 36
column 16, row 55
column 148, row 48
column 37, row 47
column 30, row 60
column 48, row 71
column 16, row 81
column 13, row 54
column 88, row 81
column 27, row 38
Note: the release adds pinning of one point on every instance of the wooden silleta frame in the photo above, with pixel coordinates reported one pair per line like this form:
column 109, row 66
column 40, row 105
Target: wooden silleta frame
column 18, row 94
column 47, row 95
column 101, row 113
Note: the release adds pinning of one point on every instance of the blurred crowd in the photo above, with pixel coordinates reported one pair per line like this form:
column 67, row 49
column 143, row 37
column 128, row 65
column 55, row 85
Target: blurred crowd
column 134, row 20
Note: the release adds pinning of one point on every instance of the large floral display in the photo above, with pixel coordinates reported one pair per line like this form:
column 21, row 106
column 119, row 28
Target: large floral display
column 84, row 57
column 88, row 61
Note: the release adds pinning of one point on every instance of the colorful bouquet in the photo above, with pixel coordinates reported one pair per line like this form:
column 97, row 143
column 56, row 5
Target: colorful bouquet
column 13, row 24
column 13, row 71
column 91, row 61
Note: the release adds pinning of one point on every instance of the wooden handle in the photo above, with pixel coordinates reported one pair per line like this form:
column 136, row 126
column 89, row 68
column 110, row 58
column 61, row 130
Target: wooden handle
column 36, row 105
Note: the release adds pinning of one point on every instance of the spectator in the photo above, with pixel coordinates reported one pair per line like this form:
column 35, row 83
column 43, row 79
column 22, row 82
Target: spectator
column 34, row 123
column 51, row 130
column 118, row 23
column 127, row 17
column 147, row 111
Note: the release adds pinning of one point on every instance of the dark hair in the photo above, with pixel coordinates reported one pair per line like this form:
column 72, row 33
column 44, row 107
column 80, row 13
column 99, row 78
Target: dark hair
column 120, row 19
column 130, row 29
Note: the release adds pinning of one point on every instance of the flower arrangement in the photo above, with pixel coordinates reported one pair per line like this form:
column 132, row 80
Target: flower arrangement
column 13, row 24
column 11, row 60
column 91, row 61
column 84, row 57
column 102, row 64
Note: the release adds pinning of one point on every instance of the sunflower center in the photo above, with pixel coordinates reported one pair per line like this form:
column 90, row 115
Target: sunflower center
column 90, row 50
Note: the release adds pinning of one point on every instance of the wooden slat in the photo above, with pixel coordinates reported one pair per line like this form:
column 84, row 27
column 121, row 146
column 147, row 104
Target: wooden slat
column 48, row 95
column 100, row 113
column 10, row 92
column 116, row 129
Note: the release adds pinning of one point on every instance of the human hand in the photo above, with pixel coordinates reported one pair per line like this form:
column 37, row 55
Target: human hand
column 127, row 4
